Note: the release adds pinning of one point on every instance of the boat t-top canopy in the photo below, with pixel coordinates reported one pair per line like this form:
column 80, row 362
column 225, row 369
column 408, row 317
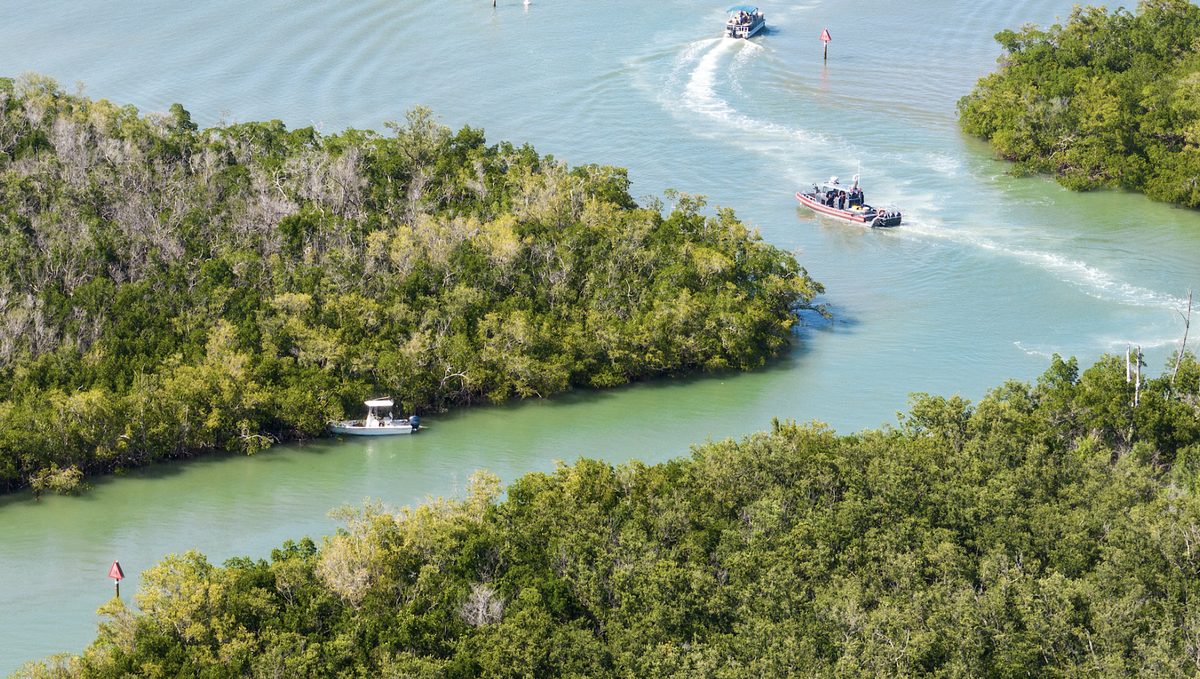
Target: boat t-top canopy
column 379, row 403
column 749, row 9
column 834, row 185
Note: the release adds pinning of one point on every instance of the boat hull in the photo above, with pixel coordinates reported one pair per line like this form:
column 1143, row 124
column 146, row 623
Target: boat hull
column 868, row 217
column 359, row 430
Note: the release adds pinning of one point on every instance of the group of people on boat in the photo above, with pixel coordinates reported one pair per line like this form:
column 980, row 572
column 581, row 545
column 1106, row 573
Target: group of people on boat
column 743, row 18
column 744, row 21
column 844, row 200
column 374, row 424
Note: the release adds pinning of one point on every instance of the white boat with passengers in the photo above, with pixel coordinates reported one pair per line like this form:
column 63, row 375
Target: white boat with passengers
column 375, row 425
column 846, row 203
column 745, row 21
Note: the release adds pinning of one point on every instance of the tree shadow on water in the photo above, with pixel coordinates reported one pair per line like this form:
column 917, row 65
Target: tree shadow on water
column 789, row 358
column 282, row 453
column 814, row 325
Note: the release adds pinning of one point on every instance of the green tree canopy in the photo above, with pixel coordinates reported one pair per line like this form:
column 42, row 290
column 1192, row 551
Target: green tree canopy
column 1104, row 100
column 1049, row 530
column 166, row 290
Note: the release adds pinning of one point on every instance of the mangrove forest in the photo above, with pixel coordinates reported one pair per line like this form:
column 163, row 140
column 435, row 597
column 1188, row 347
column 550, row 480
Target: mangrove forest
column 166, row 290
column 1106, row 99
column 1050, row 530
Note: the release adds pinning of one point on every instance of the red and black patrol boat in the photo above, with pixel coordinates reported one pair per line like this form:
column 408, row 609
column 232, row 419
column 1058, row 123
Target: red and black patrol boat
column 846, row 203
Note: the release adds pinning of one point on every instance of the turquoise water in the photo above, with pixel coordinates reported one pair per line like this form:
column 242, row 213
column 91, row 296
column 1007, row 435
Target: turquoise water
column 987, row 278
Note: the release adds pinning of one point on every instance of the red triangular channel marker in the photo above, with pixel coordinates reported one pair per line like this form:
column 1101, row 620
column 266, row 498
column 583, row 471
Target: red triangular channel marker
column 115, row 572
column 825, row 36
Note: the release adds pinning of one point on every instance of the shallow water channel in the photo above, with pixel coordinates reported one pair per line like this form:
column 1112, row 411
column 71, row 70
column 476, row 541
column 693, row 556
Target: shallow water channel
column 987, row 278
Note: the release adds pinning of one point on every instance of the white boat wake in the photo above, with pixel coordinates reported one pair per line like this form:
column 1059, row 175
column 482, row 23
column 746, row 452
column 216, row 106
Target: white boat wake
column 707, row 72
column 699, row 94
column 1090, row 280
column 692, row 88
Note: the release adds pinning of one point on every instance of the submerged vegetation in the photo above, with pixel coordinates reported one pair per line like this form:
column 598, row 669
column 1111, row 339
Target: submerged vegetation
column 1049, row 530
column 1104, row 100
column 166, row 290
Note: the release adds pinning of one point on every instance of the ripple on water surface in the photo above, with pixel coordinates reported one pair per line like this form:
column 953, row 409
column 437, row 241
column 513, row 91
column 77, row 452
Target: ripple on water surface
column 988, row 276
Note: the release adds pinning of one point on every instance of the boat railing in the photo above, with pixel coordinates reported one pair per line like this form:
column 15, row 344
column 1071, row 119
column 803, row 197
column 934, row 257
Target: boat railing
column 741, row 30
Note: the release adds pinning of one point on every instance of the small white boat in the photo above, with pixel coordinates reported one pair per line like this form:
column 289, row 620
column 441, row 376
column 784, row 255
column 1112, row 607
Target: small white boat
column 846, row 203
column 745, row 21
column 375, row 425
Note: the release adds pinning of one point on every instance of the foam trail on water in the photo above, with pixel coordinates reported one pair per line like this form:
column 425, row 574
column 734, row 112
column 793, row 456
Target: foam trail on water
column 700, row 94
column 943, row 163
column 740, row 60
column 694, row 49
column 1117, row 346
column 748, row 50
column 1034, row 352
column 1092, row 281
column 681, row 62
column 704, row 68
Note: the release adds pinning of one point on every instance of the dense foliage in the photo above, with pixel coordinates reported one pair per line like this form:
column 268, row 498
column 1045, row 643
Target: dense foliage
column 1051, row 530
column 1106, row 100
column 165, row 290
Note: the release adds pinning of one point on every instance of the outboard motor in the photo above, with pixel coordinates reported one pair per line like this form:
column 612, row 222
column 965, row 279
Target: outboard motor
column 414, row 421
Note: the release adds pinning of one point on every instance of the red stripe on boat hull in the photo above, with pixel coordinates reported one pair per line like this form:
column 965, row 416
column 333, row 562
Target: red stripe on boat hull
column 830, row 211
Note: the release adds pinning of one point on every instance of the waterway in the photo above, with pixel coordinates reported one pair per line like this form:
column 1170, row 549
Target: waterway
column 988, row 277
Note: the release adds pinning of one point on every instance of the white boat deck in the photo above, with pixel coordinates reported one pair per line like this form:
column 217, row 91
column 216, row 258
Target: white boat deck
column 374, row 425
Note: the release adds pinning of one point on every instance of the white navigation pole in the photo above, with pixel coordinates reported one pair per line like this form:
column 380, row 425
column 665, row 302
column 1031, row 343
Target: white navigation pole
column 826, row 39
